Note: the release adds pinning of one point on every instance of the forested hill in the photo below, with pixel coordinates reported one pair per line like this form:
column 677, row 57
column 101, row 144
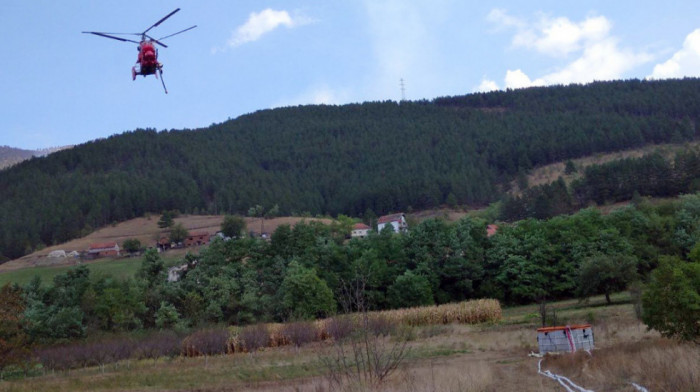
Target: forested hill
column 382, row 156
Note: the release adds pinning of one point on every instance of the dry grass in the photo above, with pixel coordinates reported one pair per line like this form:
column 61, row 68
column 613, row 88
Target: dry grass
column 466, row 312
column 453, row 357
column 656, row 364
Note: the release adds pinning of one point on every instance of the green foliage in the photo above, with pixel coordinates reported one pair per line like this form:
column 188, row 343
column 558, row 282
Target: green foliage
column 178, row 233
column 167, row 316
column 233, row 226
column 166, row 220
column 304, row 295
column 570, row 167
column 410, row 290
column 671, row 303
column 605, row 274
column 131, row 245
column 152, row 269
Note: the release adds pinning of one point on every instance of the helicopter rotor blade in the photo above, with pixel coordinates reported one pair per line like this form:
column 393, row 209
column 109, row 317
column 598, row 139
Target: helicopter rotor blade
column 161, row 21
column 110, row 36
column 181, row 31
column 155, row 40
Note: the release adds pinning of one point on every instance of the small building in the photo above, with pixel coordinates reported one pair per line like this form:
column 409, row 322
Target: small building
column 164, row 243
column 565, row 338
column 107, row 249
column 196, row 239
column 359, row 230
column 57, row 254
column 398, row 221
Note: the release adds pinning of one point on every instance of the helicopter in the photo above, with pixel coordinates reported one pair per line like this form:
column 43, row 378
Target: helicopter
column 147, row 61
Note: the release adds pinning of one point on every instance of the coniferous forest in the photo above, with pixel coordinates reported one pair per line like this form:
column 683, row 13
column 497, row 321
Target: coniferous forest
column 351, row 159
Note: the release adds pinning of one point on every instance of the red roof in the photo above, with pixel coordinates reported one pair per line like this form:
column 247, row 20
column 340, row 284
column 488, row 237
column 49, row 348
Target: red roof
column 105, row 245
column 360, row 226
column 390, row 218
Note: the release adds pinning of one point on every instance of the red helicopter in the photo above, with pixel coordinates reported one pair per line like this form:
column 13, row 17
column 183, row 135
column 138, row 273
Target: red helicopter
column 147, row 62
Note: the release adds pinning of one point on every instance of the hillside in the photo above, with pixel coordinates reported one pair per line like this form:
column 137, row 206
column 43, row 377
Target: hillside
column 146, row 230
column 10, row 156
column 372, row 158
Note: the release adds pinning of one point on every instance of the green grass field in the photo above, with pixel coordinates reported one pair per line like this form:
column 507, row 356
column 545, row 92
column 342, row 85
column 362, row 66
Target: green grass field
column 119, row 268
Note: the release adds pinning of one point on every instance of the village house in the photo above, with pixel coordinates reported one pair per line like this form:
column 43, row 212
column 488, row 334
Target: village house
column 164, row 243
column 397, row 221
column 107, row 249
column 359, row 230
column 195, row 239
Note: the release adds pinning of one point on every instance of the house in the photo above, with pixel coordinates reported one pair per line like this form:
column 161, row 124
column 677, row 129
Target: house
column 398, row 221
column 195, row 239
column 164, row 243
column 106, row 249
column 359, row 230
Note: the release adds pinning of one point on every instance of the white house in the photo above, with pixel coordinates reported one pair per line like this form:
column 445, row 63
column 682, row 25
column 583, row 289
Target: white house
column 359, row 230
column 398, row 221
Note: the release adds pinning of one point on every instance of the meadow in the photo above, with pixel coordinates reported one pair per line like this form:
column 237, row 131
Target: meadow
column 492, row 356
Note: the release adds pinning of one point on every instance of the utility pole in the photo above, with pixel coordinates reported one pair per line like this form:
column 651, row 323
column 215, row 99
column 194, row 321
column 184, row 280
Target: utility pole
column 403, row 90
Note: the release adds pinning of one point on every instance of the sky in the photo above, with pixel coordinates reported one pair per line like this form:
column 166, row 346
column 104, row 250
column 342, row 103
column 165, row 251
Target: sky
column 61, row 87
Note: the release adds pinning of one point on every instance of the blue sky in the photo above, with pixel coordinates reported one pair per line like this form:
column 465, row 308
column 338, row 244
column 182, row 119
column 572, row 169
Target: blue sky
column 62, row 87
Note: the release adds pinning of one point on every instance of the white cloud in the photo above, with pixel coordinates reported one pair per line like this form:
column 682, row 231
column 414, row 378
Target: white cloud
column 486, row 85
column 560, row 36
column 261, row 23
column 685, row 62
column 518, row 79
column 588, row 50
column 500, row 17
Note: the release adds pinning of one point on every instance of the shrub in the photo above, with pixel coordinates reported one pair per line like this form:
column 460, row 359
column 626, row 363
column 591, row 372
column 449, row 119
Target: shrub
column 254, row 337
column 212, row 341
column 337, row 328
column 157, row 345
column 671, row 304
column 299, row 333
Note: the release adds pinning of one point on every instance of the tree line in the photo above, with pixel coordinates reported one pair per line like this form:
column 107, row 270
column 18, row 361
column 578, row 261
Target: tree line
column 650, row 175
column 350, row 159
column 301, row 272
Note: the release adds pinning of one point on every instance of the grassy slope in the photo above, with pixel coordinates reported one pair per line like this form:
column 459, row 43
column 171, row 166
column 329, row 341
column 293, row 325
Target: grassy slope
column 442, row 358
column 145, row 230
column 550, row 173
column 117, row 268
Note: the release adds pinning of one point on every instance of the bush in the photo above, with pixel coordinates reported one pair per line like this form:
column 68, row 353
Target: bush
column 299, row 333
column 671, row 304
column 157, row 345
column 254, row 337
column 212, row 341
column 338, row 328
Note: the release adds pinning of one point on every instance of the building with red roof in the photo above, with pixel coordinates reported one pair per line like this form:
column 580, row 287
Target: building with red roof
column 359, row 230
column 397, row 221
